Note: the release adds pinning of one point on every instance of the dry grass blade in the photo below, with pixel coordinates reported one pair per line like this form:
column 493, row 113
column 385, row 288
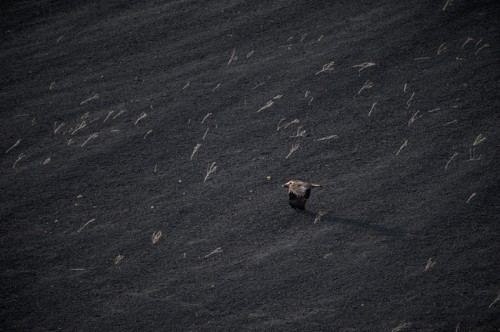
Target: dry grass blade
column 430, row 264
column 471, row 197
column 327, row 138
column 402, row 147
column 85, row 225
column 215, row 251
column 479, row 139
column 13, row 146
column 149, row 132
column 93, row 136
column 364, row 65
column 448, row 3
column 267, row 105
column 292, row 150
column 21, row 156
column 210, row 169
column 401, row 327
column 318, row 216
column 368, row 85
column 118, row 259
column 92, row 97
column 142, row 116
column 326, row 67
column 196, row 148
column 495, row 301
column 233, row 57
column 449, row 161
column 156, row 236
column 371, row 110
column 206, row 117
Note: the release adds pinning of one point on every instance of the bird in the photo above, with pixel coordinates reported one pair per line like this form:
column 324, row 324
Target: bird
column 298, row 193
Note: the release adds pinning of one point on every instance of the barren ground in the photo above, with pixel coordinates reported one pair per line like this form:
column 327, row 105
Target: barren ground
column 144, row 144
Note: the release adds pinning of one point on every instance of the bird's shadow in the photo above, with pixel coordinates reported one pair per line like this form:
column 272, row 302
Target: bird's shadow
column 360, row 224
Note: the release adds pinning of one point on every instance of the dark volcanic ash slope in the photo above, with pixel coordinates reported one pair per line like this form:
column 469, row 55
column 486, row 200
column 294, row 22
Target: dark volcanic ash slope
column 144, row 144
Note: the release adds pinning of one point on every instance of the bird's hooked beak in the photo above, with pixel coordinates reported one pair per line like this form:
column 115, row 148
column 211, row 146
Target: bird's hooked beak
column 285, row 185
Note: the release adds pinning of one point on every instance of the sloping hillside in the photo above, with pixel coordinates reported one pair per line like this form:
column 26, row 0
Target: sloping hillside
column 144, row 145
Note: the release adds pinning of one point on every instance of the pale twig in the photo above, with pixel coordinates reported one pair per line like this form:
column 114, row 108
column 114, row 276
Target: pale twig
column 449, row 161
column 299, row 133
column 451, row 122
column 413, row 118
column 215, row 251
column 448, row 3
column 364, row 65
column 404, row 87
column 58, row 127
column 326, row 67
column 47, row 161
column 88, row 222
column 469, row 39
column 206, row 117
column 216, row 87
column 320, row 37
column 210, row 169
column 472, row 155
column 307, row 93
column 196, row 148
column 495, row 301
column 82, row 125
column 187, row 84
column 286, row 124
column 21, row 156
column 13, row 146
column 368, row 85
column 119, row 113
column 479, row 49
column 327, row 138
column 430, row 264
column 318, row 216
column 402, row 146
column 94, row 135
column 267, row 105
column 401, row 327
column 371, row 110
column 249, row 54
column 471, row 197
column 292, row 150
column 233, row 57
column 408, row 102
column 205, row 134
column 156, row 236
column 118, row 259
column 479, row 42
column 434, row 109
column 92, row 97
column 149, row 132
column 142, row 116
column 441, row 48
column 479, row 139
column 109, row 114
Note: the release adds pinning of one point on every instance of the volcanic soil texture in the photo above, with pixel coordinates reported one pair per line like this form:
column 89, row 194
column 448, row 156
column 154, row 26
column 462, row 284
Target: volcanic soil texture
column 144, row 145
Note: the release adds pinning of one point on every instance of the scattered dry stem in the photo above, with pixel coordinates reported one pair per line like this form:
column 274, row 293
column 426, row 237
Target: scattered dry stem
column 210, row 169
column 13, row 146
column 21, row 156
column 196, row 148
column 215, row 251
column 402, row 146
column 156, row 236
column 368, row 85
column 364, row 65
column 85, row 225
column 292, row 150
column 93, row 136
column 92, row 97
column 449, row 161
column 142, row 116
column 327, row 67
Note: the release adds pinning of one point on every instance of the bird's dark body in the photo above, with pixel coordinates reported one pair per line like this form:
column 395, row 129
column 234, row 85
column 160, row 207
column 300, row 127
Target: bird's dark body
column 298, row 193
